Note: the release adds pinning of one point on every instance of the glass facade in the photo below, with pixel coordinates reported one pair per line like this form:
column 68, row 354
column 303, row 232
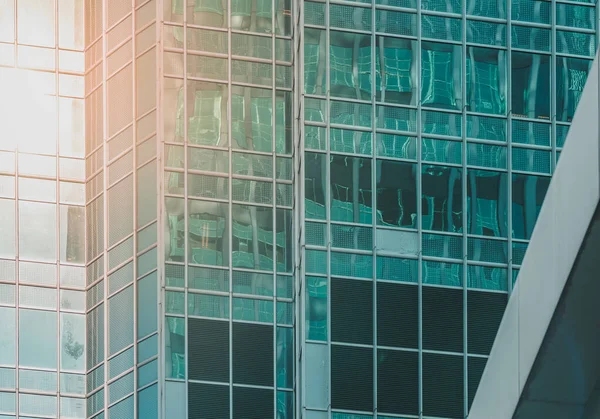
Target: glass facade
column 270, row 208
column 429, row 131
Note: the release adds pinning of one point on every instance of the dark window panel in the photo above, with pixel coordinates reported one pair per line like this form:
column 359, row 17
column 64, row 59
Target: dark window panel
column 351, row 311
column 443, row 390
column 253, row 354
column 484, row 313
column 443, row 319
column 397, row 315
column 352, row 378
column 252, row 403
column 207, row 401
column 398, row 382
column 475, row 371
column 208, row 350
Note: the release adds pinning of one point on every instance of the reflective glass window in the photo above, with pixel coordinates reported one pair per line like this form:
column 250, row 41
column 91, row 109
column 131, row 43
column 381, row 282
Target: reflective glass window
column 351, row 189
column 486, row 80
column 396, row 193
column 487, row 203
column 395, row 68
column 528, row 194
column 571, row 75
column 442, row 198
column 441, row 75
column 34, row 327
column 531, row 85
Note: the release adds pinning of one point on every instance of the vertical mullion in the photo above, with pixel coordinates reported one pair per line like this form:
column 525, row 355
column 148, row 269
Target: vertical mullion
column 230, row 205
column 135, row 208
column 328, row 188
column 57, row 209
column 298, row 212
column 105, row 199
column 418, row 178
column 274, row 194
column 465, row 202
column 509, row 180
column 374, row 194
column 185, row 203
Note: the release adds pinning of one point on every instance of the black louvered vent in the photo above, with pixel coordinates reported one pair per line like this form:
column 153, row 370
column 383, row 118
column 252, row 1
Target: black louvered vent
column 208, row 350
column 253, row 354
column 207, row 401
column 351, row 311
column 252, row 403
column 475, row 367
column 352, row 378
column 397, row 315
column 484, row 313
column 398, row 382
column 443, row 392
column 443, row 319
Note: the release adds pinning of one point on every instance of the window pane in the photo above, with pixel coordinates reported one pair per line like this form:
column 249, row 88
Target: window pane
column 530, row 85
column 72, row 342
column 37, row 231
column 487, row 203
column 441, row 75
column 571, row 75
column 35, row 327
column 486, row 80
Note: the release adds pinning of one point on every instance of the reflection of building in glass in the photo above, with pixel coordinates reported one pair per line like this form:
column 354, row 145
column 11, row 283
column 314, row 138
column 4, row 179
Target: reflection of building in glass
column 234, row 206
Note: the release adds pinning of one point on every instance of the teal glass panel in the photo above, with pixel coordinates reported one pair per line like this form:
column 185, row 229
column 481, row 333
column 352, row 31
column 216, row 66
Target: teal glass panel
column 437, row 27
column 120, row 320
column 530, row 85
column 148, row 402
column 349, row 141
column 253, row 310
column 396, row 194
column 442, row 246
column 208, row 305
column 72, row 330
column 576, row 16
column 441, row 75
column 534, row 38
column 316, row 308
column 535, row 11
column 442, row 198
column 396, row 269
column 285, row 357
column 571, row 75
column 450, row 6
column 396, row 146
column 525, row 132
column 314, row 61
column 315, row 178
column 347, row 264
column 175, row 347
column 208, row 279
column 486, row 155
column 486, row 80
column 285, row 405
column 536, row 161
column 487, row 250
column 206, row 226
column 147, row 305
column 441, row 123
column 397, row 119
column 314, row 13
column 396, row 23
column 442, row 273
column 487, row 203
column 576, row 43
column 486, row 128
column 351, row 197
column 528, row 194
column 316, row 261
column 395, row 65
column 441, row 151
column 350, row 17
column 487, row 33
column 487, row 8
column 147, row 373
column 487, row 278
column 147, row 348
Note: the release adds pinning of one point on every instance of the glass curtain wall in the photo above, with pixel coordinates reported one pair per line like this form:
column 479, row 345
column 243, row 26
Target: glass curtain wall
column 430, row 130
column 228, row 195
column 121, row 208
column 42, row 212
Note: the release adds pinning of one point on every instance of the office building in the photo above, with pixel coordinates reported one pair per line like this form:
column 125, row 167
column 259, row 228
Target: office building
column 271, row 208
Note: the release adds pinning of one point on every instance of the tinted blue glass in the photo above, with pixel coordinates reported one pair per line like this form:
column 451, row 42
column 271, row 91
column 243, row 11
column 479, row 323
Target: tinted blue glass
column 396, row 193
column 487, row 200
column 571, row 75
column 486, row 80
column 441, row 75
column 442, row 198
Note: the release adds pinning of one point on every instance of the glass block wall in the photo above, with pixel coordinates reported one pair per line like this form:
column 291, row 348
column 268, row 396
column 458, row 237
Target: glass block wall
column 121, row 119
column 430, row 130
column 42, row 212
column 228, row 200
